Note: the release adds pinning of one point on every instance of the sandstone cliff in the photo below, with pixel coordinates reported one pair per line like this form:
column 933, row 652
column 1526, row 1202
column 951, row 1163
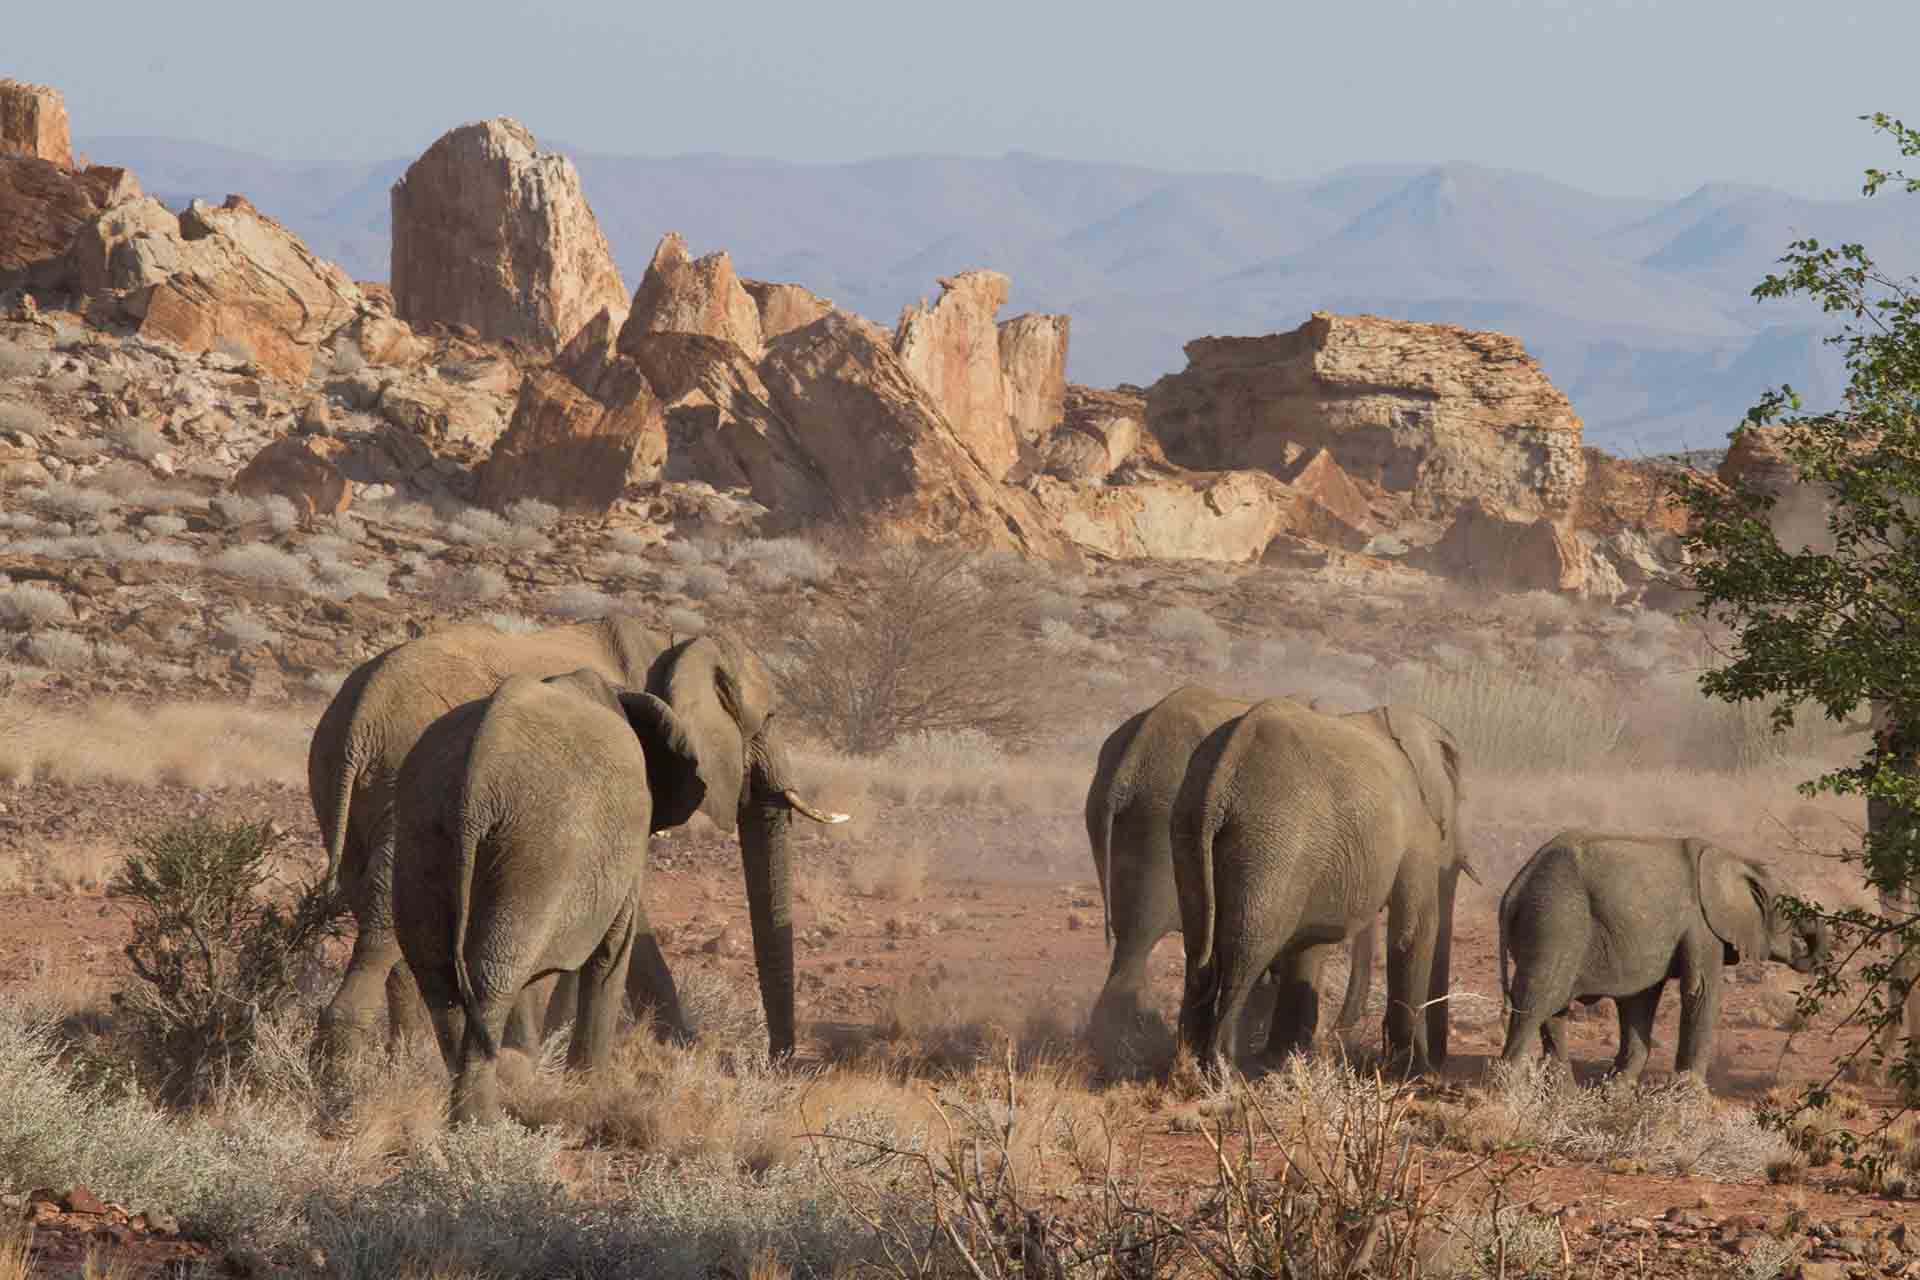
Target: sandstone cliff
column 1440, row 414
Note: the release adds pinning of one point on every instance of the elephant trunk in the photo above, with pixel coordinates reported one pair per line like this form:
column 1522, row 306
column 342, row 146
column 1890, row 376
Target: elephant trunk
column 766, row 826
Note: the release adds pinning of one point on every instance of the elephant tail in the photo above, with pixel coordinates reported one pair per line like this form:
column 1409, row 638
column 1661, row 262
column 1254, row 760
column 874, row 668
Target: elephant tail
column 340, row 805
column 1506, row 986
column 1102, row 826
column 462, row 913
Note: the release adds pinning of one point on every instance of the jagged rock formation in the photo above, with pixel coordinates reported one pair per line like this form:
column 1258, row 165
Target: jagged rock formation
column 226, row 275
column 490, row 232
column 1033, row 365
column 33, row 122
column 567, row 448
column 681, row 295
column 44, row 207
column 1441, row 414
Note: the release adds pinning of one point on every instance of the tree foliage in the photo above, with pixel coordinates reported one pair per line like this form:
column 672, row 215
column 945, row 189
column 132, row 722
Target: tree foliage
column 1837, row 622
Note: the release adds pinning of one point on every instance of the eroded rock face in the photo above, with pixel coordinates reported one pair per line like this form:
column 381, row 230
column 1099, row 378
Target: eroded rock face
column 952, row 349
column 1757, row 460
column 1227, row 516
column 1441, row 414
column 1033, row 366
column 33, row 122
column 302, row 469
column 882, row 449
column 1623, row 493
column 567, row 447
column 221, row 275
column 784, row 307
column 1486, row 546
column 682, row 295
column 43, row 207
column 491, row 232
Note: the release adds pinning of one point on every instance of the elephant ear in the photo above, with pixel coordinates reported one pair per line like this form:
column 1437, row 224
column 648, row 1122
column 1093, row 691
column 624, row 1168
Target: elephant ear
column 1435, row 758
column 1735, row 900
column 695, row 679
column 674, row 776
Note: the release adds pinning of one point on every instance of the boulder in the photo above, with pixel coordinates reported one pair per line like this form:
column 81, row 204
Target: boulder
column 1227, row 516
column 451, row 416
column 1033, row 365
column 137, row 230
column 1437, row 413
column 493, row 233
column 566, row 447
column 33, row 122
column 722, row 429
column 302, row 469
column 1329, row 507
column 228, row 275
column 884, row 453
column 953, row 350
column 384, row 339
column 1625, row 493
column 44, row 208
column 1757, row 460
column 1485, row 546
column 784, row 307
column 681, row 295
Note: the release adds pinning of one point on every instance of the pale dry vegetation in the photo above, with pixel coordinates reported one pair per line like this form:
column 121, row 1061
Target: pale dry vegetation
column 192, row 744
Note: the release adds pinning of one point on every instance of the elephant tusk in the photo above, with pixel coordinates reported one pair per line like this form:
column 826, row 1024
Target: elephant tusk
column 1471, row 873
column 807, row 810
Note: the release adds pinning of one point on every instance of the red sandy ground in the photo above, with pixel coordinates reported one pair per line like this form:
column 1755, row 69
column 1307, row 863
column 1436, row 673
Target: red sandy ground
column 1032, row 930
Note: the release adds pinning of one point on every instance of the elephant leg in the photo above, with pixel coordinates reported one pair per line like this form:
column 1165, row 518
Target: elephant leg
column 440, row 995
column 476, row 1085
column 1554, row 1042
column 649, row 983
column 407, row 1012
column 1700, row 967
column 1296, row 1000
column 1413, row 925
column 348, row 1020
column 1636, row 1014
column 1122, row 1000
column 526, row 1025
column 1359, row 977
column 1221, row 1045
column 603, row 981
column 1440, row 979
column 1897, row 1035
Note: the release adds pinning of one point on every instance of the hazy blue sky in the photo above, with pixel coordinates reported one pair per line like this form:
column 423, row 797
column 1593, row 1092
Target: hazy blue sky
column 1645, row 97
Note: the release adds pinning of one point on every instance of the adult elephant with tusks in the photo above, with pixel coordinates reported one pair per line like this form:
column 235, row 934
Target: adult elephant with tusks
column 1291, row 830
column 1129, row 813
column 714, row 684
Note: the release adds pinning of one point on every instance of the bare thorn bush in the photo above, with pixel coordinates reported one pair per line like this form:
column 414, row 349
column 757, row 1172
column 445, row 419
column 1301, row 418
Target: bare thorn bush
column 531, row 513
column 60, row 650
column 29, row 605
column 476, row 582
column 260, row 562
column 577, row 601
column 927, row 645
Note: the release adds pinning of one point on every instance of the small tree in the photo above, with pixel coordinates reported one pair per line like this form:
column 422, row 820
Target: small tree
column 931, row 641
column 213, row 952
column 1838, row 623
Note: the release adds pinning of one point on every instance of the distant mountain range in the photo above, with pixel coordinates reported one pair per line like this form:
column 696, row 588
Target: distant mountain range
column 1638, row 309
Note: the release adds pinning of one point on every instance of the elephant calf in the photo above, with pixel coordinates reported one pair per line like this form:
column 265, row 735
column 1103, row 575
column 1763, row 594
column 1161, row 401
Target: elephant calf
column 1593, row 915
column 528, row 814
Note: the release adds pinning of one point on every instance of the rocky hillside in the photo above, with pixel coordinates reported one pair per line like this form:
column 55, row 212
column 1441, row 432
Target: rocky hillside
column 173, row 381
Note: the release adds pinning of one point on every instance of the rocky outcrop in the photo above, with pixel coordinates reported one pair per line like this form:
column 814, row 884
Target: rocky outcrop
column 1227, row 516
column 1623, row 493
column 784, row 307
column 44, row 209
column 302, row 469
column 491, row 232
column 681, row 295
column 1757, row 460
column 567, row 447
column 1033, row 368
column 1440, row 414
column 1487, row 546
column 33, row 122
column 952, row 349
column 883, row 450
column 226, row 275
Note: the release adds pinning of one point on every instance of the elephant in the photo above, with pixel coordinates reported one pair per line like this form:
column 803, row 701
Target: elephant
column 1290, row 831
column 525, row 819
column 1128, row 814
column 1592, row 915
column 715, row 684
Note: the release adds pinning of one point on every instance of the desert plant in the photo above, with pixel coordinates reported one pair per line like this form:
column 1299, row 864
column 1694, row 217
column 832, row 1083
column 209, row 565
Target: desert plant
column 476, row 582
column 259, row 562
column 29, row 605
column 531, row 513
column 212, row 949
column 137, row 438
column 926, row 644
column 243, row 631
column 577, row 601
column 60, row 650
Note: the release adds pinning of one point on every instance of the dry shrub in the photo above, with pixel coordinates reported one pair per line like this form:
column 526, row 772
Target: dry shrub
column 1514, row 722
column 1880, row 1150
column 896, row 873
column 1676, row 1128
column 80, row 868
column 195, row 744
column 31, row 606
column 931, row 642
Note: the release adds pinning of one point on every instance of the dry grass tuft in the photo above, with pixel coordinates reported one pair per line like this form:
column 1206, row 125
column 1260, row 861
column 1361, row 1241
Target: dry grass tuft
column 190, row 744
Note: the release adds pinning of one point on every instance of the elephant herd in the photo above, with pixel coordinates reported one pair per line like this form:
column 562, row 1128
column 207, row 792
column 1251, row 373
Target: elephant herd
column 486, row 800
